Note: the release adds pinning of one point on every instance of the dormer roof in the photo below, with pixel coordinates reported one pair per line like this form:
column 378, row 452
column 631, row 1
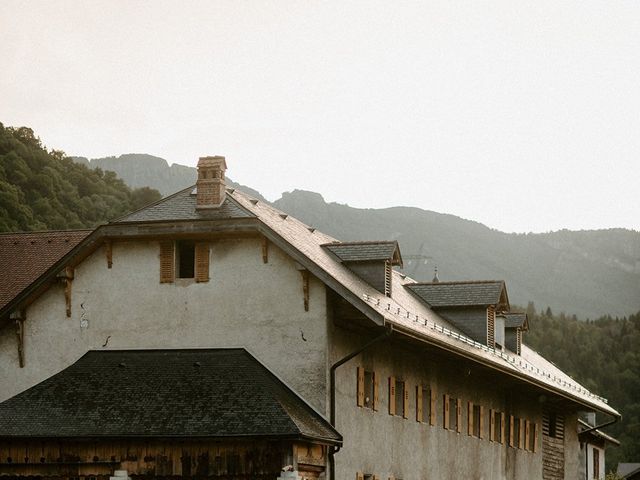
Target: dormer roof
column 462, row 294
column 366, row 251
column 515, row 320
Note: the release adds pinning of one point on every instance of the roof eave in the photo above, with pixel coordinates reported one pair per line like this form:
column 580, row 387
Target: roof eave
column 458, row 351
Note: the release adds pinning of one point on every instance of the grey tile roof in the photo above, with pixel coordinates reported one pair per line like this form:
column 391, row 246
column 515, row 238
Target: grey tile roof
column 365, row 251
column 513, row 320
column 143, row 393
column 182, row 206
column 459, row 294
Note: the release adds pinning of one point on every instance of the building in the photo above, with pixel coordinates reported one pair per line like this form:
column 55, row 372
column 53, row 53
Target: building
column 377, row 376
column 592, row 448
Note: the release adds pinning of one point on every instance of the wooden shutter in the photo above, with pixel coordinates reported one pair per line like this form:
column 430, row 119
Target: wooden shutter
column 432, row 406
column 405, row 400
column 419, row 412
column 392, row 395
column 511, row 431
column 359, row 476
column 503, row 421
column 491, row 326
column 470, row 418
column 166, row 261
column 481, row 422
column 360, row 389
column 458, row 415
column 521, row 433
column 375, row 391
column 527, row 432
column 445, row 423
column 535, row 437
column 202, row 262
column 492, row 425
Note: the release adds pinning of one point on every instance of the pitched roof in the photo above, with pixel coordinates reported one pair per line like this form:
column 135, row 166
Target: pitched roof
column 366, row 251
column 459, row 294
column 143, row 393
column 25, row 256
column 405, row 310
column 514, row 320
column 182, row 206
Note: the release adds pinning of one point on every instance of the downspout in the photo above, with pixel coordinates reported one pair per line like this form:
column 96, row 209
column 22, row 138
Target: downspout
column 332, row 389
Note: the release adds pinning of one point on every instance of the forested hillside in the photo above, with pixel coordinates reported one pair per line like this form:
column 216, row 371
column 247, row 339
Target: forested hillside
column 603, row 355
column 45, row 190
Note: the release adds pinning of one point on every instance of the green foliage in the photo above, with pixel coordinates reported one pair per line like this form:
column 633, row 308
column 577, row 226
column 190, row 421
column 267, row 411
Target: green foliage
column 603, row 355
column 45, row 190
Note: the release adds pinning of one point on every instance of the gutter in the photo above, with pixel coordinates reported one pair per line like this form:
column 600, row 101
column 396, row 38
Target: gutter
column 332, row 388
column 605, row 424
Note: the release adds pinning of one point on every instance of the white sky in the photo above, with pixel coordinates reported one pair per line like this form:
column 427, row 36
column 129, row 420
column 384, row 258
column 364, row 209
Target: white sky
column 523, row 115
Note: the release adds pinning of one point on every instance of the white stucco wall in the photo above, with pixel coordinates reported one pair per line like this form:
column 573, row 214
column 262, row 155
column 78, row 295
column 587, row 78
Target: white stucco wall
column 247, row 303
column 385, row 445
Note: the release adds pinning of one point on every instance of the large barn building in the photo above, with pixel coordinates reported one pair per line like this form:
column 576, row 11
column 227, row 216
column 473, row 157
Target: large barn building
column 209, row 335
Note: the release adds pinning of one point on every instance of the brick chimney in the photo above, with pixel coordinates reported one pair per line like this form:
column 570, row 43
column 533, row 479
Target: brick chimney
column 210, row 187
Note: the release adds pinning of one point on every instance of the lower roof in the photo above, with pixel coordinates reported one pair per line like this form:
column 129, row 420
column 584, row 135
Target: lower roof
column 163, row 393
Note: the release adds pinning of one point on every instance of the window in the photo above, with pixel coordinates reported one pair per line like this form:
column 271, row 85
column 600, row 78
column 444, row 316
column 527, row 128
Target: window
column 596, row 463
column 425, row 405
column 184, row 259
column 553, row 425
column 517, row 433
column 497, row 426
column 367, row 389
column 531, row 436
column 398, row 398
column 452, row 414
column 474, row 418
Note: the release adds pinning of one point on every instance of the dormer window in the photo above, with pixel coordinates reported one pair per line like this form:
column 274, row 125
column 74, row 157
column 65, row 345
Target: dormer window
column 371, row 261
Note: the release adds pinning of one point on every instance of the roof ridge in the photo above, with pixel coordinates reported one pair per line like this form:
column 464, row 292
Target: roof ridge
column 359, row 242
column 457, row 282
column 44, row 232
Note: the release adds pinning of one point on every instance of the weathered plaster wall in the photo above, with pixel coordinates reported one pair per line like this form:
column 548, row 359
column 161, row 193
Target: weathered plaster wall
column 385, row 445
column 247, row 303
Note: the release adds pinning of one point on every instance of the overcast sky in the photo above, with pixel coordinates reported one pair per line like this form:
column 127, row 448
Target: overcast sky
column 523, row 115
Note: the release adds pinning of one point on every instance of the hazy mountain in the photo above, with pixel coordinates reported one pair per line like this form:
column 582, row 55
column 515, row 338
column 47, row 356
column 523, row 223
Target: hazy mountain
column 587, row 273
column 142, row 170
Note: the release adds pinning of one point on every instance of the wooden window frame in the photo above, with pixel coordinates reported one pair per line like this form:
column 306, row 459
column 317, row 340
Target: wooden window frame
column 361, row 398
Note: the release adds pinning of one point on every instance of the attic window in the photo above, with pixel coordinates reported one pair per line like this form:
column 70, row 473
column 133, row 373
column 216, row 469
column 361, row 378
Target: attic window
column 185, row 258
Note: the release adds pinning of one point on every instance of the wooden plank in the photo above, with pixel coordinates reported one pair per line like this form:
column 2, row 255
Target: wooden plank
column 375, row 391
column 470, row 418
column 360, row 380
column 419, row 413
column 481, row 423
column 392, row 395
column 445, row 423
column 202, row 252
column 458, row 415
column 405, row 400
column 167, row 267
column 432, row 406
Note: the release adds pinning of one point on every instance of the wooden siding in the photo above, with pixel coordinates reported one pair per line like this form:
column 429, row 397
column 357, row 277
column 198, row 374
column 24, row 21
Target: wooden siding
column 152, row 458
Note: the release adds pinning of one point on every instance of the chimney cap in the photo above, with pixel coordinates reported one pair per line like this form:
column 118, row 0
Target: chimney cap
column 212, row 161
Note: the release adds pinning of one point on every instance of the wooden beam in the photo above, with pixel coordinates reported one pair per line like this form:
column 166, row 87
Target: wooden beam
column 18, row 318
column 305, row 288
column 108, row 246
column 265, row 250
column 66, row 277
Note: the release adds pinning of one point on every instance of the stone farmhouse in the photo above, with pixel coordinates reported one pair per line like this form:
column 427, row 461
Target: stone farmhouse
column 210, row 335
